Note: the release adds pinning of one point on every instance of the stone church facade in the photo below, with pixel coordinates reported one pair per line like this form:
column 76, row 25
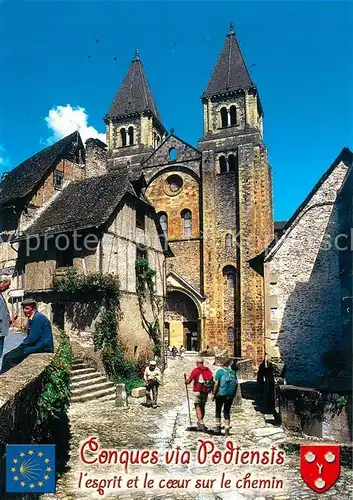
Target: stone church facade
column 214, row 202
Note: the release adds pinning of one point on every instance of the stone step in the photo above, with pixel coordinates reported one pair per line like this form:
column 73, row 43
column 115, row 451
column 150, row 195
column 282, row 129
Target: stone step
column 94, row 387
column 77, row 366
column 83, row 371
column 77, row 360
column 85, row 376
column 94, row 395
column 98, row 378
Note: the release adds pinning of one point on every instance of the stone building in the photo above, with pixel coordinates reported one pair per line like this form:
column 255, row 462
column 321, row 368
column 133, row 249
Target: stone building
column 308, row 283
column 214, row 202
column 62, row 209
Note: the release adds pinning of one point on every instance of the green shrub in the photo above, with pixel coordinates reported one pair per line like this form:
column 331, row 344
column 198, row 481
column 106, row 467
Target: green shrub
column 132, row 383
column 146, row 292
column 55, row 397
column 105, row 291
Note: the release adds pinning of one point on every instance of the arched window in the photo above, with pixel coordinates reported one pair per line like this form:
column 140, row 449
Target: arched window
column 229, row 272
column 172, row 154
column 233, row 115
column 224, row 117
column 229, row 240
column 154, row 140
column 222, row 164
column 163, row 219
column 123, row 137
column 232, row 163
column 187, row 221
column 131, row 135
column 158, row 140
column 230, row 334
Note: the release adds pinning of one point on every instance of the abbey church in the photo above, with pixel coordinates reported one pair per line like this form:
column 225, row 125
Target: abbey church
column 201, row 215
column 214, row 202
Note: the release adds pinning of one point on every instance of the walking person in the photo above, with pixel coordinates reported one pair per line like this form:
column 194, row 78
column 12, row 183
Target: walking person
column 182, row 351
column 152, row 377
column 5, row 321
column 265, row 377
column 39, row 337
column 202, row 378
column 174, row 351
column 224, row 391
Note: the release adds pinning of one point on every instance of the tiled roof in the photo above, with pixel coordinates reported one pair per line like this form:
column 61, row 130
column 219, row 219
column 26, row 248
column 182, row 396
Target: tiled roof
column 22, row 180
column 83, row 204
column 230, row 72
column 134, row 95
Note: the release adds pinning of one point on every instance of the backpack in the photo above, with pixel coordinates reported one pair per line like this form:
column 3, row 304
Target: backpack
column 206, row 381
column 227, row 384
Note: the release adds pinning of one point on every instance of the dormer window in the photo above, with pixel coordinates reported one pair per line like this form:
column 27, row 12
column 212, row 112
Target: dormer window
column 58, row 180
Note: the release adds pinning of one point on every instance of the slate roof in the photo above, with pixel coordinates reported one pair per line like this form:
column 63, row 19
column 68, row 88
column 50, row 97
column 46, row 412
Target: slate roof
column 279, row 225
column 134, row 95
column 230, row 72
column 24, row 178
column 83, row 204
column 345, row 156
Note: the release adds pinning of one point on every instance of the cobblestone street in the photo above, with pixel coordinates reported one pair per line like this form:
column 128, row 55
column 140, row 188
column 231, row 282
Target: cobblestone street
column 138, row 427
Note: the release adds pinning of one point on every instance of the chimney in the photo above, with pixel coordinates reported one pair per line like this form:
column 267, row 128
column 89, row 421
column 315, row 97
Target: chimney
column 96, row 158
column 4, row 175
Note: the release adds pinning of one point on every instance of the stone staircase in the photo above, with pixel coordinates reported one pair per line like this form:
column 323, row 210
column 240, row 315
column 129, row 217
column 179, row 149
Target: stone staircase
column 87, row 384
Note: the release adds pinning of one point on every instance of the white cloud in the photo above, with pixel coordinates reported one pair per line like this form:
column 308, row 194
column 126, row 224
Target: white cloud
column 5, row 163
column 63, row 120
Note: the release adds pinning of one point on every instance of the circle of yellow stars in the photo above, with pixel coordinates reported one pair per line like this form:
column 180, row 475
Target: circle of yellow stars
column 19, row 469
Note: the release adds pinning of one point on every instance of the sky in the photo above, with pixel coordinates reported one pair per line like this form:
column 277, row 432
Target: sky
column 56, row 76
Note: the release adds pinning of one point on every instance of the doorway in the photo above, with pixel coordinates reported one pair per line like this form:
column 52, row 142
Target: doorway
column 183, row 320
column 58, row 310
column 191, row 336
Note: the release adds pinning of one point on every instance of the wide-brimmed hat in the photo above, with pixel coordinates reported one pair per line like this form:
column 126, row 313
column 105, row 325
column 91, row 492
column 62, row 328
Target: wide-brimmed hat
column 153, row 362
column 199, row 359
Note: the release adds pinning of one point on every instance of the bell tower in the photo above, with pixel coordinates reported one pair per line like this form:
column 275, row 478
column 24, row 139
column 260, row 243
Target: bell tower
column 133, row 124
column 236, row 204
column 231, row 102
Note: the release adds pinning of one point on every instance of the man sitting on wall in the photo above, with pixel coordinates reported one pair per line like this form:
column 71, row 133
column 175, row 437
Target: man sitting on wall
column 39, row 337
column 5, row 320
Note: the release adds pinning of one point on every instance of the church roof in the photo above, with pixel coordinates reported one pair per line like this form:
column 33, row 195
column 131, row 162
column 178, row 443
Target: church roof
column 24, row 178
column 230, row 72
column 345, row 156
column 134, row 95
column 83, row 204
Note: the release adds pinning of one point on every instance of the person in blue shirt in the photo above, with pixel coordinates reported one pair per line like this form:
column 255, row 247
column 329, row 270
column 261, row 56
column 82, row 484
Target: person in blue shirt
column 5, row 320
column 224, row 391
column 39, row 337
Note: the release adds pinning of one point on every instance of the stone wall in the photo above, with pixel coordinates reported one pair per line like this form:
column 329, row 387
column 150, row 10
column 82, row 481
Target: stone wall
column 303, row 295
column 96, row 158
column 240, row 204
column 321, row 414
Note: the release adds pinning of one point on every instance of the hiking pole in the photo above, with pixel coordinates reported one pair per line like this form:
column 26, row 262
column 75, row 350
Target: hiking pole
column 187, row 397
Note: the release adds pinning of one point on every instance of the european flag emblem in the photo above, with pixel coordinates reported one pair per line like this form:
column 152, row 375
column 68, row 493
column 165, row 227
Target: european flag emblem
column 30, row 468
